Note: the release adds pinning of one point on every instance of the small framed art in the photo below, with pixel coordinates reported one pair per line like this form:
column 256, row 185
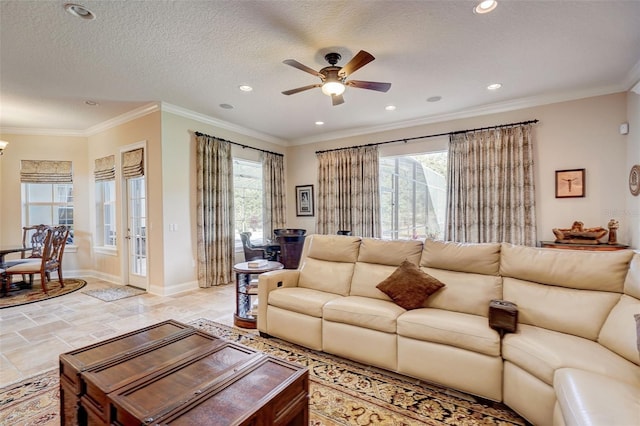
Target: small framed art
column 570, row 183
column 304, row 200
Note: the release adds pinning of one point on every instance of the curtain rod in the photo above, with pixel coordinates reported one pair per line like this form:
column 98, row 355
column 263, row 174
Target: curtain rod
column 239, row 144
column 432, row 136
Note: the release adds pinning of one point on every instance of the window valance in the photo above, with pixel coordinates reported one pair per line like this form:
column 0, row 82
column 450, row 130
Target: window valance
column 105, row 168
column 133, row 163
column 45, row 171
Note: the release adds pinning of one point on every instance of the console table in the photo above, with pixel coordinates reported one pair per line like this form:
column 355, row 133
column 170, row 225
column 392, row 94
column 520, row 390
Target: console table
column 247, row 292
column 593, row 247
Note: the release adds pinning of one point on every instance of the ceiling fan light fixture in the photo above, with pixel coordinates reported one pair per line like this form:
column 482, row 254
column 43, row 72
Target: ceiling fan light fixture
column 331, row 88
column 485, row 6
column 79, row 11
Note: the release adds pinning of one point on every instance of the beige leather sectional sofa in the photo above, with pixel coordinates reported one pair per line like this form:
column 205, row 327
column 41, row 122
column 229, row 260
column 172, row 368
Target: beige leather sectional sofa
column 573, row 360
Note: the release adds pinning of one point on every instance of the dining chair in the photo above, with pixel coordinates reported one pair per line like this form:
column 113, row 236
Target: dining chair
column 32, row 238
column 251, row 252
column 51, row 260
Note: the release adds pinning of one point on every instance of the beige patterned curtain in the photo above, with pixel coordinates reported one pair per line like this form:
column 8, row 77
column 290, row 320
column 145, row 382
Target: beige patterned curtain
column 274, row 193
column 491, row 187
column 45, row 171
column 348, row 191
column 214, row 211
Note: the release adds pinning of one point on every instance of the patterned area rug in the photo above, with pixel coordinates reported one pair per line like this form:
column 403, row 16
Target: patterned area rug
column 341, row 392
column 35, row 294
column 109, row 294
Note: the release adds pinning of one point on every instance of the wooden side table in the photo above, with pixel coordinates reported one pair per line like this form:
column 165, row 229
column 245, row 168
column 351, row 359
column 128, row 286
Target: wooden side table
column 592, row 247
column 247, row 292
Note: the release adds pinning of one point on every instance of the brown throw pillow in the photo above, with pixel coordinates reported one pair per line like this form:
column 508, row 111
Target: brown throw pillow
column 408, row 286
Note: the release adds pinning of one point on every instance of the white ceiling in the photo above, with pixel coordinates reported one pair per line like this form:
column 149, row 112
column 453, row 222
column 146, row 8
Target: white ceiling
column 192, row 56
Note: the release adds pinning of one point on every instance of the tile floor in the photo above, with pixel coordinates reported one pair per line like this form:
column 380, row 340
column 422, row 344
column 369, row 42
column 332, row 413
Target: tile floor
column 33, row 336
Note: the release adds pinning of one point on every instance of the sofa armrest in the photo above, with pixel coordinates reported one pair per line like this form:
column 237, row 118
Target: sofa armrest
column 268, row 282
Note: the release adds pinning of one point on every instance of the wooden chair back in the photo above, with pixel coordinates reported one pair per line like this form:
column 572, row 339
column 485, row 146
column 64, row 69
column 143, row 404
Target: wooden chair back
column 33, row 237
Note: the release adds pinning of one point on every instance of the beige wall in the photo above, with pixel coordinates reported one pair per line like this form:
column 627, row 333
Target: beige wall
column 146, row 130
column 28, row 147
column 632, row 212
column 179, row 202
column 570, row 135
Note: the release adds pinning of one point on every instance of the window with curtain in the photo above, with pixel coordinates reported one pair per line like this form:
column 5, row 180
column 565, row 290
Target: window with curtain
column 47, row 193
column 413, row 196
column 105, row 193
column 248, row 200
column 491, row 195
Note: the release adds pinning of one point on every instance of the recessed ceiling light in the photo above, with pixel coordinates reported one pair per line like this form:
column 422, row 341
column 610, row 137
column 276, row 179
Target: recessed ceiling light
column 91, row 103
column 390, row 107
column 434, row 98
column 79, row 11
column 485, row 6
column 245, row 88
column 319, row 123
column 494, row 86
column 226, row 106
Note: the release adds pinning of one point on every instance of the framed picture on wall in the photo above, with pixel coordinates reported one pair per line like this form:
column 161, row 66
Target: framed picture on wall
column 570, row 183
column 304, row 200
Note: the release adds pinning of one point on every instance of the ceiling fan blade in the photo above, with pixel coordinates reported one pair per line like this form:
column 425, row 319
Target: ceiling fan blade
column 371, row 85
column 337, row 100
column 302, row 67
column 301, row 89
column 361, row 59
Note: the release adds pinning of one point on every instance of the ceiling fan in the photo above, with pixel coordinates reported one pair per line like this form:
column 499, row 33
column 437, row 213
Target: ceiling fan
column 334, row 78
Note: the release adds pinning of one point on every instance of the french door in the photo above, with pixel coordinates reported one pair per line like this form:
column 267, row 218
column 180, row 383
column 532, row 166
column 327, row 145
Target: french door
column 136, row 235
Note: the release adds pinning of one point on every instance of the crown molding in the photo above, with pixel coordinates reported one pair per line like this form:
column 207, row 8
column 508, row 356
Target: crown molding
column 41, row 132
column 123, row 118
column 495, row 108
column 206, row 119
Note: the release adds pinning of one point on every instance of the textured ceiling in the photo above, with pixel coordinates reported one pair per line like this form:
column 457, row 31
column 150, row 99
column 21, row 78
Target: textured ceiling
column 194, row 55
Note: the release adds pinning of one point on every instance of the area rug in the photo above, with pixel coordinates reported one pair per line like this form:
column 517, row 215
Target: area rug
column 109, row 294
column 341, row 392
column 35, row 294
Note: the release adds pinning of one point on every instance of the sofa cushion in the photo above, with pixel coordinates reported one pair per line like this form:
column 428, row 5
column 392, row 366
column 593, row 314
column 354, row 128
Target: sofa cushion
column 632, row 282
column 323, row 275
column 579, row 269
column 478, row 258
column 620, row 331
column 389, row 252
column 364, row 312
column 559, row 308
column 587, row 398
column 302, row 300
column 408, row 286
column 637, row 317
column 328, row 262
column 366, row 276
column 541, row 352
column 377, row 260
column 456, row 329
column 334, row 248
column 465, row 292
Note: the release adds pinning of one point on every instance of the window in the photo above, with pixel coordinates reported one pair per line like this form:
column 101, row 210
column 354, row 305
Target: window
column 248, row 201
column 106, row 213
column 49, row 204
column 413, row 196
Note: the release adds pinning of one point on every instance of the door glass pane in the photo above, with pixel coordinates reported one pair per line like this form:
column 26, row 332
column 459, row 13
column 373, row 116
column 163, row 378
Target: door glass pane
column 137, row 227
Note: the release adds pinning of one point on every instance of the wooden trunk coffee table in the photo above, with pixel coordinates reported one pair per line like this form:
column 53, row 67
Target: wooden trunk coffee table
column 171, row 373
